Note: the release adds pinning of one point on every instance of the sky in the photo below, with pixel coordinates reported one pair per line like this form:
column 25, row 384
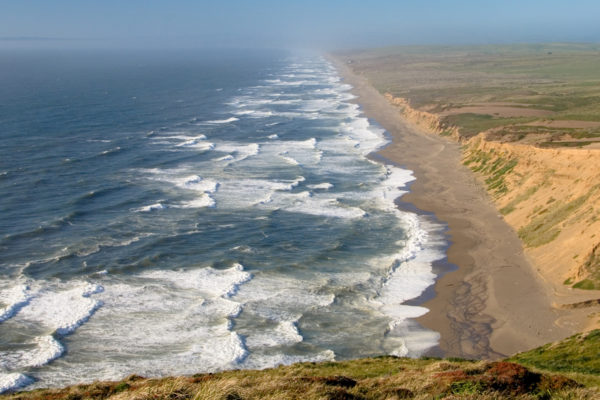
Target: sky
column 324, row 24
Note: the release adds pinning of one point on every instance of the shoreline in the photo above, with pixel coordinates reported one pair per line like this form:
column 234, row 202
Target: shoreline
column 494, row 304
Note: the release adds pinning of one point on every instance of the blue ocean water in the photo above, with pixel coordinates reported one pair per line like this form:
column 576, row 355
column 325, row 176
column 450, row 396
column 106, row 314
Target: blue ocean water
column 174, row 213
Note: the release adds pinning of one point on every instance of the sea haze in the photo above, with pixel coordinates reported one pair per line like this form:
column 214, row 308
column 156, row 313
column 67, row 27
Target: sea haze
column 167, row 214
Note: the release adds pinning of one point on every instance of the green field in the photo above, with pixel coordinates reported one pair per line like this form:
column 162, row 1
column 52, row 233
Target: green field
column 555, row 82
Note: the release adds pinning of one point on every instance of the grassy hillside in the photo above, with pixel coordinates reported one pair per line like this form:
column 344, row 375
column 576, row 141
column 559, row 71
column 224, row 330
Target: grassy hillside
column 577, row 356
column 376, row 378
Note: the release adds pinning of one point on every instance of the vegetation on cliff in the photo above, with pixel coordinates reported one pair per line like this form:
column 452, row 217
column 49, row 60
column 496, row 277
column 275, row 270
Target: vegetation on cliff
column 576, row 358
column 579, row 354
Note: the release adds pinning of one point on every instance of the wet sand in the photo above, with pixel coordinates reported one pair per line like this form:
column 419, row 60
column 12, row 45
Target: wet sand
column 494, row 303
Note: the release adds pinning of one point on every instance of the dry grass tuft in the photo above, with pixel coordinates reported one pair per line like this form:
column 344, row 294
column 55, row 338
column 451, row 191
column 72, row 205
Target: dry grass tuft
column 384, row 378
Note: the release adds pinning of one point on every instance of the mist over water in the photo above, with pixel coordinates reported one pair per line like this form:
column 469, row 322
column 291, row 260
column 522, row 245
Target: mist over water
column 198, row 212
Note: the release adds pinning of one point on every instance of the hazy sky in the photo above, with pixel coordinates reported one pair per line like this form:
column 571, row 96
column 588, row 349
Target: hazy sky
column 306, row 23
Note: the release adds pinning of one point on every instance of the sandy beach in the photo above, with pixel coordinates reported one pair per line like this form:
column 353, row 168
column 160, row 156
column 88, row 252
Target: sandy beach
column 494, row 304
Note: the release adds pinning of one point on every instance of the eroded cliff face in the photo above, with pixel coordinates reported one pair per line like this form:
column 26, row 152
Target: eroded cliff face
column 425, row 120
column 551, row 197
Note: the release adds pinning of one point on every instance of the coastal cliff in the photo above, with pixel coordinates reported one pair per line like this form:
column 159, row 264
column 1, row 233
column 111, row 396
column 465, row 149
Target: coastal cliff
column 550, row 196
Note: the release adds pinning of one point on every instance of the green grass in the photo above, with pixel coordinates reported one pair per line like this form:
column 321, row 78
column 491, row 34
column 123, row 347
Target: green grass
column 591, row 267
column 466, row 387
column 566, row 144
column 587, row 284
column 510, row 207
column 565, row 82
column 594, row 115
column 585, row 134
column 578, row 354
column 561, row 102
column 544, row 228
column 493, row 167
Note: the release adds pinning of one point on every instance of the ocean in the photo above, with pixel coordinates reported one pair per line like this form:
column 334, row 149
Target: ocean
column 181, row 212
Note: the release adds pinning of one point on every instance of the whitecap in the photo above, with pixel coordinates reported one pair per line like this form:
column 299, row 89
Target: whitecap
column 13, row 381
column 284, row 334
column 261, row 361
column 65, row 310
column 46, row 349
column 208, row 280
column 238, row 152
column 320, row 186
column 204, row 201
column 288, row 159
column 14, row 299
column 223, row 121
column 151, row 207
column 111, row 151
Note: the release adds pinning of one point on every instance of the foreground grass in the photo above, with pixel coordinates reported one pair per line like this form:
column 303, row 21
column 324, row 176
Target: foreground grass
column 577, row 359
column 375, row 378
column 578, row 356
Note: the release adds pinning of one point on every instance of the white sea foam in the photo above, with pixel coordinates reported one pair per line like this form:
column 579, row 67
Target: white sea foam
column 285, row 333
column 368, row 139
column 281, row 298
column 110, row 151
column 202, row 146
column 244, row 112
column 321, row 186
column 203, row 188
column 181, row 137
column 13, row 381
column 232, row 348
column 46, row 349
column 63, row 311
column 58, row 308
column 177, row 320
column 192, row 142
column 307, row 203
column 204, row 200
column 197, row 183
column 244, row 193
column 293, row 152
column 269, row 361
column 186, row 141
column 223, row 121
column 274, row 136
column 288, row 159
column 151, row 207
column 261, row 113
column 214, row 282
column 13, row 299
column 238, row 151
